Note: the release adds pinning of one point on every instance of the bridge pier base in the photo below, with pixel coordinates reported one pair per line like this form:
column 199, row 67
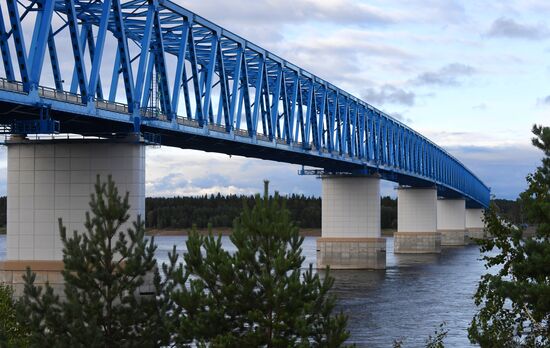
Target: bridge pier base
column 451, row 217
column 417, row 221
column 351, row 235
column 475, row 227
column 51, row 180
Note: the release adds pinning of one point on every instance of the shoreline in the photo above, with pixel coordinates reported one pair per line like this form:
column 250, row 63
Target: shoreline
column 226, row 231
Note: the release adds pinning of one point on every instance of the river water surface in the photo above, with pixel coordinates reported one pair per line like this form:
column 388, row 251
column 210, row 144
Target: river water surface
column 407, row 301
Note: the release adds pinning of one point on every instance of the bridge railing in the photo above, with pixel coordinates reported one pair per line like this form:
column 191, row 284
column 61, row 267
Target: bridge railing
column 11, row 86
column 112, row 106
column 52, row 93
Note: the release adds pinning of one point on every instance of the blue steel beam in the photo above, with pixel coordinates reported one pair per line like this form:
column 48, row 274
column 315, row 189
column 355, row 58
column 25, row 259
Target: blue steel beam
column 98, row 51
column 144, row 57
column 76, row 40
column 257, row 97
column 115, row 77
column 75, row 82
column 160, row 66
column 54, row 61
column 5, row 50
column 148, row 81
column 120, row 33
column 236, row 91
column 19, row 42
column 180, row 68
column 40, row 41
column 223, row 110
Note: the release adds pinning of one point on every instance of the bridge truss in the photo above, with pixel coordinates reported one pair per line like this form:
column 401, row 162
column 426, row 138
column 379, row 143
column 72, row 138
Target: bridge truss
column 112, row 66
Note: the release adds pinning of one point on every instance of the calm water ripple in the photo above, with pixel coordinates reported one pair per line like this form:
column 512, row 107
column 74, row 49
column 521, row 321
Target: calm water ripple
column 408, row 300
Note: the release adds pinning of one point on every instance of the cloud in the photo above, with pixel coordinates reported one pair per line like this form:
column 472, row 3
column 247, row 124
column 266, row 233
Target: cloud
column 347, row 58
column 481, row 106
column 400, row 117
column 388, row 94
column 544, row 101
column 502, row 168
column 449, row 75
column 504, row 137
column 172, row 172
column 290, row 11
column 266, row 22
column 508, row 28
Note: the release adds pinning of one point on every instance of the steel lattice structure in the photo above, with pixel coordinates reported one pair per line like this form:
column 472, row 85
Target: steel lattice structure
column 113, row 66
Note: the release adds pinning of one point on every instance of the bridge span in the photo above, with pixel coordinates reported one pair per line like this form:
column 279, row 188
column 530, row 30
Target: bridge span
column 134, row 72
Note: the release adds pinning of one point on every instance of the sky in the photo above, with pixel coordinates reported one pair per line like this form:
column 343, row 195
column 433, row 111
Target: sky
column 473, row 76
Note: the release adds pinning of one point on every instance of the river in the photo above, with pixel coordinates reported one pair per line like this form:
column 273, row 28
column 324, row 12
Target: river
column 407, row 301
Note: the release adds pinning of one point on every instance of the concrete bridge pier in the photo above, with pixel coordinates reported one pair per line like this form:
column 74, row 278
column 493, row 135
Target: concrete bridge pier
column 53, row 179
column 475, row 227
column 451, row 220
column 417, row 221
column 351, row 235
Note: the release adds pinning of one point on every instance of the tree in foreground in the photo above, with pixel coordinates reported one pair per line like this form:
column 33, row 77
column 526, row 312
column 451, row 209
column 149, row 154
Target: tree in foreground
column 256, row 296
column 104, row 268
column 515, row 299
column 12, row 333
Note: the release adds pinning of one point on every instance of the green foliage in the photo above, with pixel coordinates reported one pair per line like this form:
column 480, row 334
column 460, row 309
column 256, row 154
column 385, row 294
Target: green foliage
column 103, row 270
column 435, row 341
column 220, row 211
column 12, row 332
column 509, row 210
column 515, row 298
column 257, row 296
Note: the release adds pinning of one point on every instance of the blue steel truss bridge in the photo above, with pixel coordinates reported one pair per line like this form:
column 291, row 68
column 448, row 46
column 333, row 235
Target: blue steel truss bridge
column 111, row 67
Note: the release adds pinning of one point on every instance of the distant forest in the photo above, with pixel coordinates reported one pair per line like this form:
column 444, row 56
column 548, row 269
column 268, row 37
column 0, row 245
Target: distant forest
column 220, row 211
column 510, row 210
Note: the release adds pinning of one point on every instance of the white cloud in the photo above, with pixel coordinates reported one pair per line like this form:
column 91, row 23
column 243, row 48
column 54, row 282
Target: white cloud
column 173, row 171
column 290, row 11
column 478, row 139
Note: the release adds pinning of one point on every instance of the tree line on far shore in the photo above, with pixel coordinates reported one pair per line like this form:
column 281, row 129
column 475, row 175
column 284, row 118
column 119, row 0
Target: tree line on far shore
column 220, row 211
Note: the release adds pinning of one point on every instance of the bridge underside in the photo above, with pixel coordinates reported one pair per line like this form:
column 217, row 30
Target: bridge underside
column 206, row 140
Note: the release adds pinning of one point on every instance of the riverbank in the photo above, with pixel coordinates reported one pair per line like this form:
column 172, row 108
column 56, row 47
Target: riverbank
column 226, row 231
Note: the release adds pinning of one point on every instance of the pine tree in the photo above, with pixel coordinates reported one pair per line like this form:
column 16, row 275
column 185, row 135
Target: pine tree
column 12, row 333
column 104, row 269
column 257, row 296
column 515, row 301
